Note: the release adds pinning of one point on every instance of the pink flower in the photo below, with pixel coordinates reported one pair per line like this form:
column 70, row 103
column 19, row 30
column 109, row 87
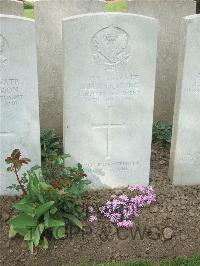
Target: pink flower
column 92, row 218
column 90, row 209
column 120, row 210
column 115, row 217
column 124, row 198
column 126, row 224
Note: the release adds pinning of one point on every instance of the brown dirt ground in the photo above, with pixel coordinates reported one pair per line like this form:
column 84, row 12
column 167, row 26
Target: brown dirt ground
column 167, row 229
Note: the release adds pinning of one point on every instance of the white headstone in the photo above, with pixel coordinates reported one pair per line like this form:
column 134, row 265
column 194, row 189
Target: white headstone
column 109, row 81
column 11, row 7
column 19, row 117
column 169, row 13
column 50, row 58
column 185, row 150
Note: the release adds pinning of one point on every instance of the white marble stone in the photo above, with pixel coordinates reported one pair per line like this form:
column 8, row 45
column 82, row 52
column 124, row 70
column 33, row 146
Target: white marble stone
column 19, row 107
column 48, row 17
column 11, row 7
column 109, row 81
column 169, row 13
column 185, row 151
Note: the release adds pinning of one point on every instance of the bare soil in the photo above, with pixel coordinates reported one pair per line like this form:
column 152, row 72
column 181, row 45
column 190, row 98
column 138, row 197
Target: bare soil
column 166, row 229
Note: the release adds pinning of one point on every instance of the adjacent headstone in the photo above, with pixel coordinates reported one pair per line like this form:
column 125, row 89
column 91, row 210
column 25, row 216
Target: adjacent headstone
column 109, row 81
column 169, row 13
column 48, row 17
column 185, row 150
column 19, row 117
column 11, row 7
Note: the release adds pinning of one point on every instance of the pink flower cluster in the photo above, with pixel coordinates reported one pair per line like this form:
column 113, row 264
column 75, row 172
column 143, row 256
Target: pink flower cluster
column 93, row 217
column 122, row 209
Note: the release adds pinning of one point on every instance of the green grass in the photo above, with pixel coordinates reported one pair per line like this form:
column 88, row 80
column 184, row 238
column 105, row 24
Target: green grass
column 29, row 13
column 136, row 263
column 118, row 6
column 193, row 261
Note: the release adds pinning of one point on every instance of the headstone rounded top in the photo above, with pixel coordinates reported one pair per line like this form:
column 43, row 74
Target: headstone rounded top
column 196, row 16
column 17, row 1
column 109, row 14
column 16, row 17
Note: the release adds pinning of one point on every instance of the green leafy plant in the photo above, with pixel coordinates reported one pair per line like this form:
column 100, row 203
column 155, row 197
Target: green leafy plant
column 38, row 213
column 55, row 171
column 162, row 133
column 46, row 207
column 28, row 5
column 50, row 144
column 53, row 166
column 72, row 181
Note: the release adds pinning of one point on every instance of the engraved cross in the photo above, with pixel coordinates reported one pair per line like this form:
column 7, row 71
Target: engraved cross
column 109, row 126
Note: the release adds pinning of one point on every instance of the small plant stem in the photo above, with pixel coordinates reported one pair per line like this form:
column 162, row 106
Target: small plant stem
column 18, row 179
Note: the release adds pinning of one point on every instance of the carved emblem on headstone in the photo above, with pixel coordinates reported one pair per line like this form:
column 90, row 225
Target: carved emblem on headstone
column 110, row 46
column 3, row 51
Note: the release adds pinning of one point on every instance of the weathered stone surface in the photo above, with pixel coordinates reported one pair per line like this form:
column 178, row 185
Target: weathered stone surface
column 109, row 83
column 48, row 16
column 11, row 7
column 19, row 117
column 169, row 13
column 49, row 41
column 185, row 151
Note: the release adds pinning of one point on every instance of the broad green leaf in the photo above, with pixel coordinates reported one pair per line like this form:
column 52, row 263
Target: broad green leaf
column 12, row 232
column 25, row 207
column 58, row 232
column 24, row 200
column 43, row 208
column 45, row 186
column 22, row 231
column 55, row 222
column 46, row 219
column 44, row 243
column 24, row 221
column 53, row 210
column 35, row 168
column 30, row 245
column 74, row 220
column 29, row 235
column 37, row 233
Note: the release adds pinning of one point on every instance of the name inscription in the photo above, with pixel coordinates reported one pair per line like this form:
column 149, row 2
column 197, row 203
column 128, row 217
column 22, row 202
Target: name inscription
column 112, row 90
column 11, row 91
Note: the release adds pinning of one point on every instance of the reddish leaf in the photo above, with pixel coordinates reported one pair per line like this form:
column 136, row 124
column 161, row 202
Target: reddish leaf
column 56, row 185
column 26, row 159
column 16, row 154
column 9, row 160
column 83, row 175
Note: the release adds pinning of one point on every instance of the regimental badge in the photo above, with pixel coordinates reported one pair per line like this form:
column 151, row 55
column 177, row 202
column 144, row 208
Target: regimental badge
column 110, row 46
